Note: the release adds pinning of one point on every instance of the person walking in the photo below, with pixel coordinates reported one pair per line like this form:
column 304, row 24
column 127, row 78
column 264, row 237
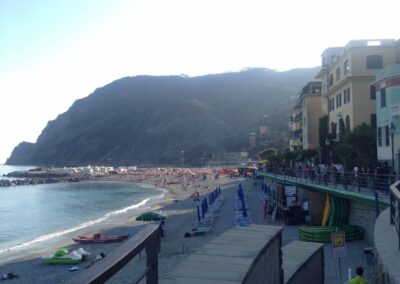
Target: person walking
column 265, row 208
column 359, row 278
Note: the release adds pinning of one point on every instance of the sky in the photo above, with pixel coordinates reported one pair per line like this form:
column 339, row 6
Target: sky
column 55, row 52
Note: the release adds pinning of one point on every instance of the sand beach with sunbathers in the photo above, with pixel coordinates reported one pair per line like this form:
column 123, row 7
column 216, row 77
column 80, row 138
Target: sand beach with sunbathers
column 185, row 190
column 180, row 208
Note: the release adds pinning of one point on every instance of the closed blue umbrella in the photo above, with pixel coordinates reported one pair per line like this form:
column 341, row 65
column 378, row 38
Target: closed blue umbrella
column 244, row 212
column 198, row 213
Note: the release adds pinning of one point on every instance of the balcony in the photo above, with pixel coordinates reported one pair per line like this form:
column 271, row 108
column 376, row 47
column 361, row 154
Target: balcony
column 292, row 126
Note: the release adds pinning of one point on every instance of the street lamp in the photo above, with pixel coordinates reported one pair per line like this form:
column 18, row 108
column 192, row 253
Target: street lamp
column 183, row 158
column 392, row 132
column 202, row 161
column 327, row 143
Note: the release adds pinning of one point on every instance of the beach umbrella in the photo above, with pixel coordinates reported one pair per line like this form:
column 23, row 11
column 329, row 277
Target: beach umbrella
column 150, row 216
column 244, row 212
column 198, row 213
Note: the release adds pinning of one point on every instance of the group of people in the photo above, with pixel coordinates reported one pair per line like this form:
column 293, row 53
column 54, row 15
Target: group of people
column 269, row 206
column 377, row 178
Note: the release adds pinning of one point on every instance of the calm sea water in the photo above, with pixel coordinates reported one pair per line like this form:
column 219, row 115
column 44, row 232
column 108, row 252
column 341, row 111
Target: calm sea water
column 38, row 213
column 4, row 169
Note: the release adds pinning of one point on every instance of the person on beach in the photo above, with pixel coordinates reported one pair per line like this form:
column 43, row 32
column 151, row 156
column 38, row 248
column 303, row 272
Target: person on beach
column 271, row 208
column 359, row 278
column 265, row 210
column 162, row 232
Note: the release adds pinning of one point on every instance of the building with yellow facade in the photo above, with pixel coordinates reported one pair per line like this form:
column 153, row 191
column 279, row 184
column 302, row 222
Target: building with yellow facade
column 304, row 119
column 346, row 74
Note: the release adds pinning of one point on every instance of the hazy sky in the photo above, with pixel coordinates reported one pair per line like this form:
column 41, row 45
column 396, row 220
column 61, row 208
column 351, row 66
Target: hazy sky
column 53, row 52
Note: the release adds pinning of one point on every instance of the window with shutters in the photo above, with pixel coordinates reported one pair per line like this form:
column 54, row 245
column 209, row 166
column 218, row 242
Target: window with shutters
column 380, row 136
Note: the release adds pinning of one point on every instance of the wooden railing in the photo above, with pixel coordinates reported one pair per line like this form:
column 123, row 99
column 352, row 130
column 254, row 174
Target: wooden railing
column 148, row 238
column 395, row 208
column 361, row 182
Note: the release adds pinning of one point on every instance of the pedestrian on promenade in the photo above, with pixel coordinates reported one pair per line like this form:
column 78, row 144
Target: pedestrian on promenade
column 265, row 208
column 359, row 278
column 370, row 176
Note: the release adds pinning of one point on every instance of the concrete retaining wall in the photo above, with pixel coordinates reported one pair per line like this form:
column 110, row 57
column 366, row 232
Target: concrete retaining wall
column 250, row 255
column 267, row 268
column 386, row 250
column 363, row 215
column 312, row 271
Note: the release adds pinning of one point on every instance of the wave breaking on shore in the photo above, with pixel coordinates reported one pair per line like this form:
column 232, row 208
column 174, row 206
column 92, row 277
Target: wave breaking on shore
column 104, row 219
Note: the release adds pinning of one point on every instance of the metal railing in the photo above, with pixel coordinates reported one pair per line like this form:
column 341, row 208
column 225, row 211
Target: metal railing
column 366, row 183
column 148, row 238
column 395, row 208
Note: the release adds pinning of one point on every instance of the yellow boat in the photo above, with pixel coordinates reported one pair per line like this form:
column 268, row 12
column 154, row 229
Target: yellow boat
column 327, row 211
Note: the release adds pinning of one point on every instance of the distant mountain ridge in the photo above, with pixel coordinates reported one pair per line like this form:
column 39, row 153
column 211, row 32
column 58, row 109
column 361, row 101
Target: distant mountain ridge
column 152, row 119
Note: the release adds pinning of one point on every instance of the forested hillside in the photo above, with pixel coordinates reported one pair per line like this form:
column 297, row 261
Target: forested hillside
column 149, row 120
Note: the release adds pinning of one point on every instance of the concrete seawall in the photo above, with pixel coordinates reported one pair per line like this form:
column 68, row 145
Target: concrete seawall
column 250, row 255
column 303, row 262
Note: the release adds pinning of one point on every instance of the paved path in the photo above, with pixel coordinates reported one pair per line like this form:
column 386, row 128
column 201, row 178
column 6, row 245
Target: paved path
column 354, row 250
column 226, row 258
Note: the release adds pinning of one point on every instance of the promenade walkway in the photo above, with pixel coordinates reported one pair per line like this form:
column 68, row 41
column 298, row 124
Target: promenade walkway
column 236, row 256
column 387, row 246
column 364, row 193
column 354, row 251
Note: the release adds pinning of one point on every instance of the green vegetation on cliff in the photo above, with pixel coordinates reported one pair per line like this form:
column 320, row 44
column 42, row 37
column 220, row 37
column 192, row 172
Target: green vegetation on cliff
column 150, row 120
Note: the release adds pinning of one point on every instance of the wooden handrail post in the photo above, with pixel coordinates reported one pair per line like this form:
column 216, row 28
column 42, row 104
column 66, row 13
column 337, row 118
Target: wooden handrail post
column 147, row 238
column 152, row 260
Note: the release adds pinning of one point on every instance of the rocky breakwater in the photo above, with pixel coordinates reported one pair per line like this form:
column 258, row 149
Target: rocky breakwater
column 42, row 176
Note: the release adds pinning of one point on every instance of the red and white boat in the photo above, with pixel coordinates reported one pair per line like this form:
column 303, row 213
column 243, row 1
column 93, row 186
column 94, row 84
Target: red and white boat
column 98, row 238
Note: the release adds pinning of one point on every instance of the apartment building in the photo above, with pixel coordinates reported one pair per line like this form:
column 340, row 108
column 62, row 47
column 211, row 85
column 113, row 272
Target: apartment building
column 346, row 74
column 386, row 89
column 304, row 119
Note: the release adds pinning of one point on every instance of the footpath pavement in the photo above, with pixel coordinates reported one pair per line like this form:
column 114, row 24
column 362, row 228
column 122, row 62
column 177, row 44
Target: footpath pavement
column 353, row 257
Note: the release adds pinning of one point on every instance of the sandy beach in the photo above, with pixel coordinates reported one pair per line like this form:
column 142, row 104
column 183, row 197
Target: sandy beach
column 180, row 208
column 178, row 204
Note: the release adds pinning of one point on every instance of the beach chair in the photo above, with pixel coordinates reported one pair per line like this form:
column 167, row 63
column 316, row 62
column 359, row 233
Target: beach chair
column 200, row 231
column 205, row 225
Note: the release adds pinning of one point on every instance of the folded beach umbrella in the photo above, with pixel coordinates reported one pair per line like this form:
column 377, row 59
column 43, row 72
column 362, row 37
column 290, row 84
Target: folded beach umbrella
column 244, row 212
column 150, row 216
column 198, row 214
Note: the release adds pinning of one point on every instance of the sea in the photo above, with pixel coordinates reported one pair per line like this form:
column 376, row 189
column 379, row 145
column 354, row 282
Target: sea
column 35, row 216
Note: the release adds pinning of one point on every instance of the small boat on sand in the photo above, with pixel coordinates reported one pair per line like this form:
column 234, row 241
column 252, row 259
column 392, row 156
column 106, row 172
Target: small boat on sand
column 98, row 238
column 63, row 256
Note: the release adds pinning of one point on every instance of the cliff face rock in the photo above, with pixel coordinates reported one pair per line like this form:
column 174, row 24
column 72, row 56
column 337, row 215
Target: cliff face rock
column 150, row 120
column 21, row 154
